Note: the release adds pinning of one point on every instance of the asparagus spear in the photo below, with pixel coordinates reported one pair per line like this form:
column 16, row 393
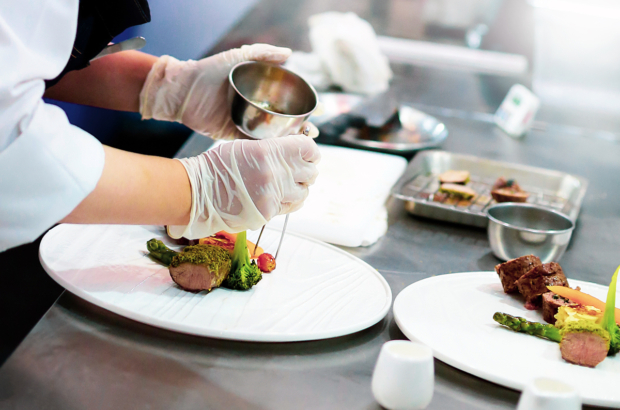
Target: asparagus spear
column 519, row 324
column 160, row 252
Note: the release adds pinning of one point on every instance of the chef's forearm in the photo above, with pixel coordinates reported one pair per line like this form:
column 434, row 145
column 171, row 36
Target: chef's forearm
column 137, row 189
column 113, row 82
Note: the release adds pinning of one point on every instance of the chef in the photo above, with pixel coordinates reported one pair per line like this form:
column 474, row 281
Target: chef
column 52, row 171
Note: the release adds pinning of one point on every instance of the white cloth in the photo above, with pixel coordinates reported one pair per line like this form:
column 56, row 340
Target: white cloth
column 348, row 48
column 243, row 184
column 47, row 166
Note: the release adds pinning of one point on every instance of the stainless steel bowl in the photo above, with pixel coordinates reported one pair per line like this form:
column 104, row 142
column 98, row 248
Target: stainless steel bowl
column 268, row 100
column 518, row 229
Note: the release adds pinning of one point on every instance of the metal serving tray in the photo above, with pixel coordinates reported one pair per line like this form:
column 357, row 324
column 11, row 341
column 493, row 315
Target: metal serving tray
column 417, row 186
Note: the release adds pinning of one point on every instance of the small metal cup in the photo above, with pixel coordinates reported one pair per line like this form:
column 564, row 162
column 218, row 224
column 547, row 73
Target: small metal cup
column 517, row 229
column 269, row 101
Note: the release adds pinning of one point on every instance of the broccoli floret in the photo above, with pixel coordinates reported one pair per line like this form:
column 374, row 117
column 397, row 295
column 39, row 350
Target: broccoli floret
column 244, row 273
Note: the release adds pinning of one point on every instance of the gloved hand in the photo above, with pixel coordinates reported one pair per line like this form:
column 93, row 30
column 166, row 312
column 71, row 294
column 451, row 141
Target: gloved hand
column 243, row 184
column 195, row 93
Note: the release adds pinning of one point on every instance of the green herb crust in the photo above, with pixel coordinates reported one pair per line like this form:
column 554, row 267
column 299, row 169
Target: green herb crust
column 213, row 256
column 586, row 326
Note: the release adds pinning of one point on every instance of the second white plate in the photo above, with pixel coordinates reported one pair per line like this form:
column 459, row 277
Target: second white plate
column 453, row 315
column 317, row 291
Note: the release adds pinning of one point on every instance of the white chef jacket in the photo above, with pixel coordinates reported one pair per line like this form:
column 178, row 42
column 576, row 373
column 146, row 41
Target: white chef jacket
column 47, row 166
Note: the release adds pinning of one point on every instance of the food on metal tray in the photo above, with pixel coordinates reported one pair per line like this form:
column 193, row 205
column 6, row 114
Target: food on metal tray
column 507, row 190
column 456, row 190
column 454, row 177
column 534, row 283
column 513, row 269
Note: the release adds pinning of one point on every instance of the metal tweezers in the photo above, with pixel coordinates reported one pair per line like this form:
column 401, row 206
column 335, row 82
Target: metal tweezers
column 281, row 237
column 305, row 132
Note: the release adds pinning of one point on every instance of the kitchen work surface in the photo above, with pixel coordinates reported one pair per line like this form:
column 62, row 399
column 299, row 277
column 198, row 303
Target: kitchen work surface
column 82, row 356
column 460, row 329
column 317, row 291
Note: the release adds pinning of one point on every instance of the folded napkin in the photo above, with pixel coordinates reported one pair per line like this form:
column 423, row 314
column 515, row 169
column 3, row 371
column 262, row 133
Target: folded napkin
column 345, row 52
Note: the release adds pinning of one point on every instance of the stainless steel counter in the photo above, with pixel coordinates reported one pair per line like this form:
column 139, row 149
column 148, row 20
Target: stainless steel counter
column 80, row 356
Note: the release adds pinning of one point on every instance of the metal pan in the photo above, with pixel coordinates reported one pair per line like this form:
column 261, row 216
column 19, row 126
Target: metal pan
column 406, row 132
column 554, row 190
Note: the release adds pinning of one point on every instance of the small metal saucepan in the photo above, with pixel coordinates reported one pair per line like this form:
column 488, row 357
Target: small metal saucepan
column 518, row 229
column 269, row 101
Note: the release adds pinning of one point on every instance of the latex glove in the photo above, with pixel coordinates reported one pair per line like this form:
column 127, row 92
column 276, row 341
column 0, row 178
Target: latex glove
column 243, row 184
column 195, row 93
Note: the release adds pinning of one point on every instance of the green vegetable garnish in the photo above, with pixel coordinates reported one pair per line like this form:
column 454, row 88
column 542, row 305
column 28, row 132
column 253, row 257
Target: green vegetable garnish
column 160, row 252
column 519, row 324
column 243, row 273
column 609, row 318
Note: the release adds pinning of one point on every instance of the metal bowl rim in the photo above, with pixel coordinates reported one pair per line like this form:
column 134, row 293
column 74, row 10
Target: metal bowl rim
column 239, row 93
column 397, row 146
column 530, row 230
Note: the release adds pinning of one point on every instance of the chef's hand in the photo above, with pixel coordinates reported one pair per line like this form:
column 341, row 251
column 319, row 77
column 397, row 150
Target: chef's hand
column 195, row 93
column 243, row 184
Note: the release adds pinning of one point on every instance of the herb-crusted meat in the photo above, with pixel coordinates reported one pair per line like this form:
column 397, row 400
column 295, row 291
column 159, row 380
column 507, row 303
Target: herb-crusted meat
column 585, row 344
column 200, row 267
column 513, row 269
column 534, row 283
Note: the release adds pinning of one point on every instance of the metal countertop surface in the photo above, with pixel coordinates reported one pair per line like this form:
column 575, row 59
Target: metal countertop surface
column 81, row 356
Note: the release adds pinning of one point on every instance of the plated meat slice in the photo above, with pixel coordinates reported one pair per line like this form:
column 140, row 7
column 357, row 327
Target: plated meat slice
column 584, row 348
column 551, row 303
column 513, row 269
column 197, row 277
column 534, row 283
column 200, row 267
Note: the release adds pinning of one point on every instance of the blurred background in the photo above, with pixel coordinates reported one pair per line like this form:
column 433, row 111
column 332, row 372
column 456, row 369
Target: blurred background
column 571, row 47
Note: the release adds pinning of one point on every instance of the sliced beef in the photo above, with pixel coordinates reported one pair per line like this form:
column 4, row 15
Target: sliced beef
column 551, row 303
column 583, row 348
column 513, row 269
column 195, row 277
column 534, row 283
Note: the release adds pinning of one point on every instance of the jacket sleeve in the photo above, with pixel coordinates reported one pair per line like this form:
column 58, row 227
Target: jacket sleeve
column 47, row 165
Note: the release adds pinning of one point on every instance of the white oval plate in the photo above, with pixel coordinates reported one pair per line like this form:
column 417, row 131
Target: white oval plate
column 317, row 291
column 453, row 315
